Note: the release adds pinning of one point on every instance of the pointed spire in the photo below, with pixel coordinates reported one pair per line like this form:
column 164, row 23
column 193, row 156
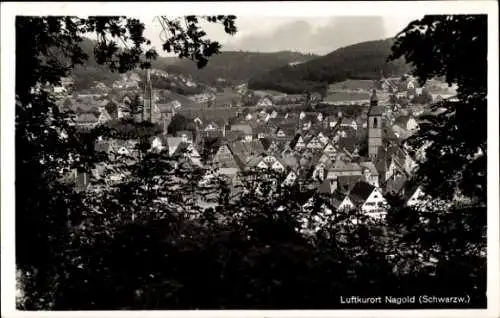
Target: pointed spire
column 374, row 98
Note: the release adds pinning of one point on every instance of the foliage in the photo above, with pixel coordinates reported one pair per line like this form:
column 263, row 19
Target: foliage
column 180, row 122
column 425, row 98
column 359, row 61
column 48, row 146
column 454, row 47
column 145, row 243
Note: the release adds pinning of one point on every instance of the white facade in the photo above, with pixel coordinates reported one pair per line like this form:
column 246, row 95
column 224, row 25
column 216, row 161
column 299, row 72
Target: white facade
column 314, row 143
column 346, row 205
column 417, row 198
column 375, row 205
column 290, row 179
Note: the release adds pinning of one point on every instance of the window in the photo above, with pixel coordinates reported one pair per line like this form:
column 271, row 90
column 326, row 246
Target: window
column 375, row 122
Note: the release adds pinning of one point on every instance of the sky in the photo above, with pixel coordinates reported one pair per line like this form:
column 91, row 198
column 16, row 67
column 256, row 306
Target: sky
column 318, row 35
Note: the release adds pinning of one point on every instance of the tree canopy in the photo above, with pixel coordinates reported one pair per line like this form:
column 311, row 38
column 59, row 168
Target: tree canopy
column 454, row 137
column 148, row 242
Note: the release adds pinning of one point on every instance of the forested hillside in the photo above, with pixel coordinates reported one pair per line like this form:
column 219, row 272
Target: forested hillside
column 234, row 67
column 365, row 60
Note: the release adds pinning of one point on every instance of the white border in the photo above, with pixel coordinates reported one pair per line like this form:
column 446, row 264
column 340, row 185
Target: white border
column 416, row 8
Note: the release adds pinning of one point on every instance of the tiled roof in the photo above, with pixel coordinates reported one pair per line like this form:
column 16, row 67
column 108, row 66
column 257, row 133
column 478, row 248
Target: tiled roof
column 173, row 143
column 246, row 149
column 395, row 184
column 360, row 192
column 245, row 128
column 346, row 183
column 86, row 118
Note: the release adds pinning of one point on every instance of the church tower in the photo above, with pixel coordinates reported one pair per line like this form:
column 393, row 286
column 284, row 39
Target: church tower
column 148, row 98
column 374, row 126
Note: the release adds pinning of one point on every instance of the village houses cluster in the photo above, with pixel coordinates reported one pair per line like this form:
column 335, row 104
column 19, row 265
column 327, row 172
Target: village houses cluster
column 354, row 162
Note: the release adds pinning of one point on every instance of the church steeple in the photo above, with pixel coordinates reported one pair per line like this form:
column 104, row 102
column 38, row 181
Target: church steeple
column 375, row 126
column 374, row 98
column 148, row 98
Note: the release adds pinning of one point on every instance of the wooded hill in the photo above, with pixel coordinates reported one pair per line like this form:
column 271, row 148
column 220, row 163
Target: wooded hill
column 366, row 60
column 233, row 67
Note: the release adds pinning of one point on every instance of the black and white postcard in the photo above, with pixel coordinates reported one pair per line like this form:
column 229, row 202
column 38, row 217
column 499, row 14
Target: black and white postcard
column 260, row 159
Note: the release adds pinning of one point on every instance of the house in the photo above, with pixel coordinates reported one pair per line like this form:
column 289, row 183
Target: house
column 260, row 131
column 159, row 143
column 276, row 147
column 298, row 143
column 186, row 135
column 86, row 119
column 413, row 196
column 280, row 132
column 211, row 126
column 307, row 120
column 322, row 138
column 369, row 200
column 319, row 169
column 246, row 150
column 315, row 96
column 370, row 173
column 331, row 121
column 245, row 128
column 266, row 162
column 342, row 168
column 337, row 200
column 104, row 116
column 395, row 184
column 330, row 150
column 346, row 183
column 224, row 158
column 290, row 179
column 314, row 143
column 408, row 123
column 265, row 101
column 187, row 150
column 172, row 144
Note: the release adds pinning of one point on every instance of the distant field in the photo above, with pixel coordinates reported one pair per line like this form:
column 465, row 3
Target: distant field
column 352, row 85
column 347, row 96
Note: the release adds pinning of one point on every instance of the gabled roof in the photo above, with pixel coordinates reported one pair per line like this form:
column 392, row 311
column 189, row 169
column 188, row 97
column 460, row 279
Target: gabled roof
column 173, row 143
column 408, row 189
column 245, row 150
column 360, row 192
column 86, row 118
column 346, row 183
column 183, row 146
column 395, row 184
column 326, row 187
